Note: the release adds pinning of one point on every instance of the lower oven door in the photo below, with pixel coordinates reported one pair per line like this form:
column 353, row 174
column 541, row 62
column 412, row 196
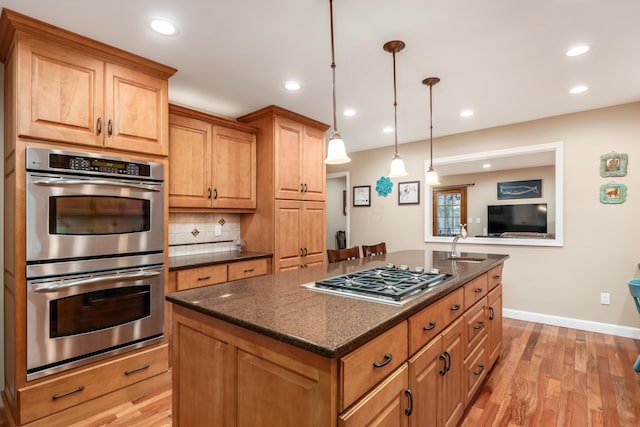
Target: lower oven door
column 77, row 319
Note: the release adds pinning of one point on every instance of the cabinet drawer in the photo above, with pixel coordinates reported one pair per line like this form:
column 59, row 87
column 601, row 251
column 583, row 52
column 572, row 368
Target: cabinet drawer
column 429, row 322
column 476, row 326
column 495, row 276
column 202, row 276
column 244, row 269
column 475, row 290
column 63, row 392
column 363, row 368
column 476, row 367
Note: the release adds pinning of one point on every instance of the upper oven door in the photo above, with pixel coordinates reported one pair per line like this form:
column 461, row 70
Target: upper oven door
column 75, row 216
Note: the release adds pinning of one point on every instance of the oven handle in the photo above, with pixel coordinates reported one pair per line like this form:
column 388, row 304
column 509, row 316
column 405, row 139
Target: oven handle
column 64, row 181
column 101, row 279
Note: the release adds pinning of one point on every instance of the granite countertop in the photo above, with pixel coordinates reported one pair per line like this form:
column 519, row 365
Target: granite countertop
column 277, row 306
column 199, row 260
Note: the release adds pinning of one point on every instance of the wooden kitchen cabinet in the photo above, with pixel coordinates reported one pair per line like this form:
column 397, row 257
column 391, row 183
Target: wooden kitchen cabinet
column 289, row 220
column 75, row 94
column 494, row 323
column 386, row 405
column 436, row 378
column 300, row 234
column 212, row 162
column 196, row 277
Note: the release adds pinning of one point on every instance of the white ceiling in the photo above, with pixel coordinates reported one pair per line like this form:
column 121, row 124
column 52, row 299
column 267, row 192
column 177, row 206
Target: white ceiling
column 502, row 58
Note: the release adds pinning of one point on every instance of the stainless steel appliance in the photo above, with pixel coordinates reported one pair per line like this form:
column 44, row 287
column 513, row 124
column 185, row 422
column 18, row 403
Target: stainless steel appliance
column 95, row 257
column 81, row 205
column 389, row 284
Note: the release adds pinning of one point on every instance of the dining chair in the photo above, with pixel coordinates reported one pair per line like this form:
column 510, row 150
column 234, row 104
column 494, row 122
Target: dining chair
column 634, row 288
column 377, row 249
column 335, row 255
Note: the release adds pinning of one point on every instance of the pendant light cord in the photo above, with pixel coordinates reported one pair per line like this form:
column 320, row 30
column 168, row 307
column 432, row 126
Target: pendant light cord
column 333, row 68
column 395, row 104
column 430, row 127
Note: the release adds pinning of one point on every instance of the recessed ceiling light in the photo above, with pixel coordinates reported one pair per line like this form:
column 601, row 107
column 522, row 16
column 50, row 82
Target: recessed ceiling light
column 349, row 112
column 466, row 113
column 486, row 165
column 293, row 86
column 387, row 129
column 162, row 26
column 578, row 89
column 577, row 50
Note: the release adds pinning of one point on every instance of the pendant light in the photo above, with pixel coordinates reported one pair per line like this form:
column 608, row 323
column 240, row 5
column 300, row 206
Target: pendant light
column 432, row 175
column 336, row 153
column 397, row 169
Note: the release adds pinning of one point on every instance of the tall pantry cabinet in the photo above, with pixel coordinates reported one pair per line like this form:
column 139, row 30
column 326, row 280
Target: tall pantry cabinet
column 63, row 90
column 291, row 212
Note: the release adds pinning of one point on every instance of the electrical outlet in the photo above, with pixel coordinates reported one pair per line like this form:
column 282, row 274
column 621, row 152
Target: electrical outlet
column 605, row 298
column 217, row 230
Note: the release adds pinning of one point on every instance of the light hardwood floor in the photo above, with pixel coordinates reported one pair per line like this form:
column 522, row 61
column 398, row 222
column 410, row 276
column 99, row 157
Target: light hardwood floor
column 546, row 376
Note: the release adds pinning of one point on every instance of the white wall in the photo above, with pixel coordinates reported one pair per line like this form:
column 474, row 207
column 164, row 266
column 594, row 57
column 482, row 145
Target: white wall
column 601, row 240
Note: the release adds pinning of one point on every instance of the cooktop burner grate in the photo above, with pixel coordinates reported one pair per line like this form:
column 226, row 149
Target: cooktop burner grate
column 384, row 283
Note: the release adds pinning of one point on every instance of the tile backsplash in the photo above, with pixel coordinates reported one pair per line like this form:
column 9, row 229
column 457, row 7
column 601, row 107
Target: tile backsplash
column 194, row 233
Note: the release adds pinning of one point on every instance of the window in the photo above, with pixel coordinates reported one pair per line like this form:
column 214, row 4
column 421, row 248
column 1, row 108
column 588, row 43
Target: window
column 449, row 210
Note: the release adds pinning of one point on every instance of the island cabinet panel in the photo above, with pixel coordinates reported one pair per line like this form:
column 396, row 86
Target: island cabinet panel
column 475, row 290
column 475, row 325
column 212, row 161
column 203, row 368
column 73, row 97
column 494, row 323
column 495, row 276
column 245, row 378
column 386, row 405
column 425, row 383
column 431, row 321
column 366, row 366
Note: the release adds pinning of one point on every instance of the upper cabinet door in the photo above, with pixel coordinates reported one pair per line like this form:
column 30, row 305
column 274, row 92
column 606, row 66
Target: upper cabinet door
column 234, row 169
column 136, row 111
column 312, row 167
column 189, row 162
column 288, row 143
column 60, row 94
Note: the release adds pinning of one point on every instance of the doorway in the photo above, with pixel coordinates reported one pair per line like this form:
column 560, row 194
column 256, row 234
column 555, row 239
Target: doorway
column 338, row 203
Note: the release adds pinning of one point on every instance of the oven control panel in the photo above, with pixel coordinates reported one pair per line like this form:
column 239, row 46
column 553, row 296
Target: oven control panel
column 50, row 160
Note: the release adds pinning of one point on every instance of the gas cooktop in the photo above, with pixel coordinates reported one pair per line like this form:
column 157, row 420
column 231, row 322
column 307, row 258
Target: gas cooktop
column 390, row 284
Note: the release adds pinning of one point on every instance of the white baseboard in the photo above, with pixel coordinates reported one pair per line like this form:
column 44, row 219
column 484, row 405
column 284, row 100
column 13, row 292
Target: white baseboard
column 567, row 322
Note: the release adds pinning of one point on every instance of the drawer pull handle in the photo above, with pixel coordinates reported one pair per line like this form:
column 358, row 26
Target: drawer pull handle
column 479, row 371
column 248, row 270
column 58, row 396
column 491, row 313
column 133, row 371
column 204, row 278
column 430, row 327
column 455, row 307
column 496, row 277
column 478, row 290
column 408, row 411
column 387, row 359
column 480, row 325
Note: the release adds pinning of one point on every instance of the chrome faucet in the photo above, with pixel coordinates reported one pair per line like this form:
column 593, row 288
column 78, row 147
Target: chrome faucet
column 463, row 234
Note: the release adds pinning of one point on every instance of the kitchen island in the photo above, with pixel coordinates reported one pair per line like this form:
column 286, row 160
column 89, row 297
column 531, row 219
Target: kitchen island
column 267, row 351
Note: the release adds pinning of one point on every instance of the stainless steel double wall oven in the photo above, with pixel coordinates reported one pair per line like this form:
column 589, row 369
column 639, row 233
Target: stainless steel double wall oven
column 95, row 261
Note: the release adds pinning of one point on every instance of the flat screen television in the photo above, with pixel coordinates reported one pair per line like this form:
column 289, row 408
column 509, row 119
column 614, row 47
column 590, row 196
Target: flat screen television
column 530, row 218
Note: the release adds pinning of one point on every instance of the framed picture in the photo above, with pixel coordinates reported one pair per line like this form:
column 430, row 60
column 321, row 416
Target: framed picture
column 613, row 193
column 613, row 164
column 362, row 195
column 520, row 189
column 409, row 193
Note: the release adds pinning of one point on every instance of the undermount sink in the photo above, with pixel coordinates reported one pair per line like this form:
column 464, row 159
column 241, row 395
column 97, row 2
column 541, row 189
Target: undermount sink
column 464, row 259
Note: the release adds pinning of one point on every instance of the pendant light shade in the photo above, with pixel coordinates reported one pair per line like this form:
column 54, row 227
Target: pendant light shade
column 336, row 153
column 397, row 168
column 432, row 175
